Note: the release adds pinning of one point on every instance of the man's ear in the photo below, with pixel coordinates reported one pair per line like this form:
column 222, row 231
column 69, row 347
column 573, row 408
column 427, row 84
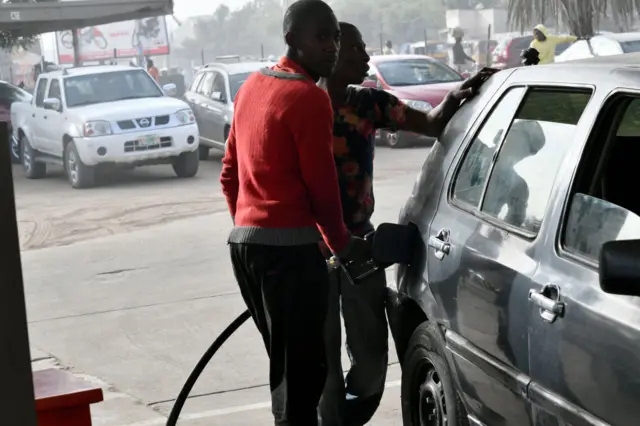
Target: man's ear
column 290, row 39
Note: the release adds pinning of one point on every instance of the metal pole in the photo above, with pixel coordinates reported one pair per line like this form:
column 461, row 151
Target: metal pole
column 17, row 400
column 262, row 51
column 76, row 47
column 425, row 41
column 202, row 56
column 488, row 53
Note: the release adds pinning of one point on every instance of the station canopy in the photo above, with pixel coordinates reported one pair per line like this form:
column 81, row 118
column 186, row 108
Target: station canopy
column 27, row 19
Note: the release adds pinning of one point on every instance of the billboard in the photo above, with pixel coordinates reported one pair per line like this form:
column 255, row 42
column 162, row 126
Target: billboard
column 127, row 38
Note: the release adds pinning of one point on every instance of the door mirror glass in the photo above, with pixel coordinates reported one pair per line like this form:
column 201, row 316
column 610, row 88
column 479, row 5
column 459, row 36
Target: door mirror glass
column 52, row 104
column 170, row 89
column 620, row 267
column 394, row 243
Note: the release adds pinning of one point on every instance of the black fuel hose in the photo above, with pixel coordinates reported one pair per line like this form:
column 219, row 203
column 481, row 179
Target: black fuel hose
column 200, row 366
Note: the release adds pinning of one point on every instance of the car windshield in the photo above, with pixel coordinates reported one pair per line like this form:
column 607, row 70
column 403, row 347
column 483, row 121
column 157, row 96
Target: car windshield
column 235, row 81
column 414, row 72
column 630, row 46
column 109, row 87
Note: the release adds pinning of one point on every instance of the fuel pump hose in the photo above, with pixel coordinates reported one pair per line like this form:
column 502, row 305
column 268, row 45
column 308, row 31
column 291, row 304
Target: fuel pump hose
column 193, row 377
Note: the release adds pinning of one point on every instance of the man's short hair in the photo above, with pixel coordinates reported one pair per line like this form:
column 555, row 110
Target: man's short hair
column 344, row 26
column 300, row 12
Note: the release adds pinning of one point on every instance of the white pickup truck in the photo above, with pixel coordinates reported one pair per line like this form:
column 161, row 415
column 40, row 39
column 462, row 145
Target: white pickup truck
column 94, row 117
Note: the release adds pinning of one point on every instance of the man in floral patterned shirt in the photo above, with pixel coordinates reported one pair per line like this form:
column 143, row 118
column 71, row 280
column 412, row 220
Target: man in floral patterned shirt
column 358, row 112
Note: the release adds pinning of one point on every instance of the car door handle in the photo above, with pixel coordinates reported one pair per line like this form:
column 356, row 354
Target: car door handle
column 548, row 300
column 440, row 243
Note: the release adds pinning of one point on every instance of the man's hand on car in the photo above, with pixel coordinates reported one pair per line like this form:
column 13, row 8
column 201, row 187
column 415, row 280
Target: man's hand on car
column 472, row 85
column 358, row 251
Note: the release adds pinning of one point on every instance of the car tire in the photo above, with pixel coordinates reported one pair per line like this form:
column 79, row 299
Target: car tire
column 79, row 174
column 394, row 140
column 32, row 169
column 186, row 164
column 203, row 152
column 428, row 392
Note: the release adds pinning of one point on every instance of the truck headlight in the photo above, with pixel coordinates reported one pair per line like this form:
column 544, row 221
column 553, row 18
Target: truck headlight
column 185, row 116
column 97, row 128
column 423, row 106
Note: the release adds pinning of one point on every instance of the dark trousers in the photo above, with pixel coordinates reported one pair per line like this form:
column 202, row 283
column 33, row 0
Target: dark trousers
column 286, row 290
column 352, row 401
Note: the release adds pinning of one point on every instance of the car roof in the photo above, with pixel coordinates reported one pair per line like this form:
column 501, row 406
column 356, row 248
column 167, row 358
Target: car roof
column 88, row 70
column 389, row 58
column 612, row 62
column 621, row 37
column 237, row 68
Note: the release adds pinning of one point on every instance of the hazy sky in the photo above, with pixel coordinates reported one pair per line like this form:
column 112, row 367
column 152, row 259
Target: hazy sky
column 183, row 8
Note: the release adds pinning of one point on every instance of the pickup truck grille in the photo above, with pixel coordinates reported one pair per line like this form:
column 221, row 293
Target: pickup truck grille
column 159, row 120
column 134, row 146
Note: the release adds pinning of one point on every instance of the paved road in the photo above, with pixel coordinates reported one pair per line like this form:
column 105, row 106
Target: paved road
column 127, row 285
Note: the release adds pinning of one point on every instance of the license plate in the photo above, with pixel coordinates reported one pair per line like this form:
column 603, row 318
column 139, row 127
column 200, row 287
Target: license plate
column 148, row 140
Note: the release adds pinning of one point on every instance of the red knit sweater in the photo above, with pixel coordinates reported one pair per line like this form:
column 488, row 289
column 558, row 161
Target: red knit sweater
column 278, row 174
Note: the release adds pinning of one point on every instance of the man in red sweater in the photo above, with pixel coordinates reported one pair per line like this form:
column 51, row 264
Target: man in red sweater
column 281, row 185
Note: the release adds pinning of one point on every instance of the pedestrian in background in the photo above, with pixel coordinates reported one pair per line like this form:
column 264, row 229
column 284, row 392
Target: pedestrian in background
column 153, row 71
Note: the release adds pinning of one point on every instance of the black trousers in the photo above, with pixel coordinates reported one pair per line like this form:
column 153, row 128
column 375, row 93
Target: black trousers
column 286, row 289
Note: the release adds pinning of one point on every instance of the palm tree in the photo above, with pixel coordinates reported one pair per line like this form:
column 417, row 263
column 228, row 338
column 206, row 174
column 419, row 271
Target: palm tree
column 582, row 17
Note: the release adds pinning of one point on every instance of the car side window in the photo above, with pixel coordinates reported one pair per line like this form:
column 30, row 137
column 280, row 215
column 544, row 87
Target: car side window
column 604, row 205
column 474, row 170
column 524, row 171
column 196, row 82
column 54, row 90
column 41, row 90
column 206, row 87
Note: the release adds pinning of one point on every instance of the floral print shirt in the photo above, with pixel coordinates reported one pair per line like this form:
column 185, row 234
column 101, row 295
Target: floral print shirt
column 354, row 128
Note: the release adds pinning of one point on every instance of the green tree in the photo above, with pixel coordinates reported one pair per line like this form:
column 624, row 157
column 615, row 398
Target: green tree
column 582, row 17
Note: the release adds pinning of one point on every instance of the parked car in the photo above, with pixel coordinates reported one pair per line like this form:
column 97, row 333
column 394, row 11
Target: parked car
column 96, row 117
column 436, row 49
column 517, row 299
column 420, row 81
column 8, row 95
column 602, row 45
column 211, row 97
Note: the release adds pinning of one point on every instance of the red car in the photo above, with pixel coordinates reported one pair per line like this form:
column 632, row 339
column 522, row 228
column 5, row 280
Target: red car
column 8, row 95
column 420, row 81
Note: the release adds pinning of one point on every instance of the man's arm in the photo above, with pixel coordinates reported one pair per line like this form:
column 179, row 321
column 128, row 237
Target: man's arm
column 433, row 122
column 229, row 176
column 393, row 114
column 562, row 39
column 311, row 122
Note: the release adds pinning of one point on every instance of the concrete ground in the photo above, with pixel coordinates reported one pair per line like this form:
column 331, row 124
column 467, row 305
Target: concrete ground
column 129, row 283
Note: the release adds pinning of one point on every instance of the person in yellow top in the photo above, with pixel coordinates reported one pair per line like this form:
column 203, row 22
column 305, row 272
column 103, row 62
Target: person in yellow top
column 546, row 43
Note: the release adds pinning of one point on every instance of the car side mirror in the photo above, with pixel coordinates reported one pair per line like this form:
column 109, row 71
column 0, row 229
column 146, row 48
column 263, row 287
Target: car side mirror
column 619, row 267
column 393, row 243
column 52, row 104
column 372, row 84
column 170, row 89
column 465, row 75
column 218, row 97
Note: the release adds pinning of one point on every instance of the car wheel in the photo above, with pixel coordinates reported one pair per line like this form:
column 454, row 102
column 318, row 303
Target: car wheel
column 394, row 139
column 79, row 175
column 32, row 169
column 428, row 393
column 203, row 152
column 16, row 157
column 186, row 164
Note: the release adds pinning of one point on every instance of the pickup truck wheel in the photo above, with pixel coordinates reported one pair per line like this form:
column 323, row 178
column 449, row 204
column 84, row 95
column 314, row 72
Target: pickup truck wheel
column 186, row 164
column 32, row 169
column 429, row 396
column 203, row 152
column 79, row 174
column 16, row 156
